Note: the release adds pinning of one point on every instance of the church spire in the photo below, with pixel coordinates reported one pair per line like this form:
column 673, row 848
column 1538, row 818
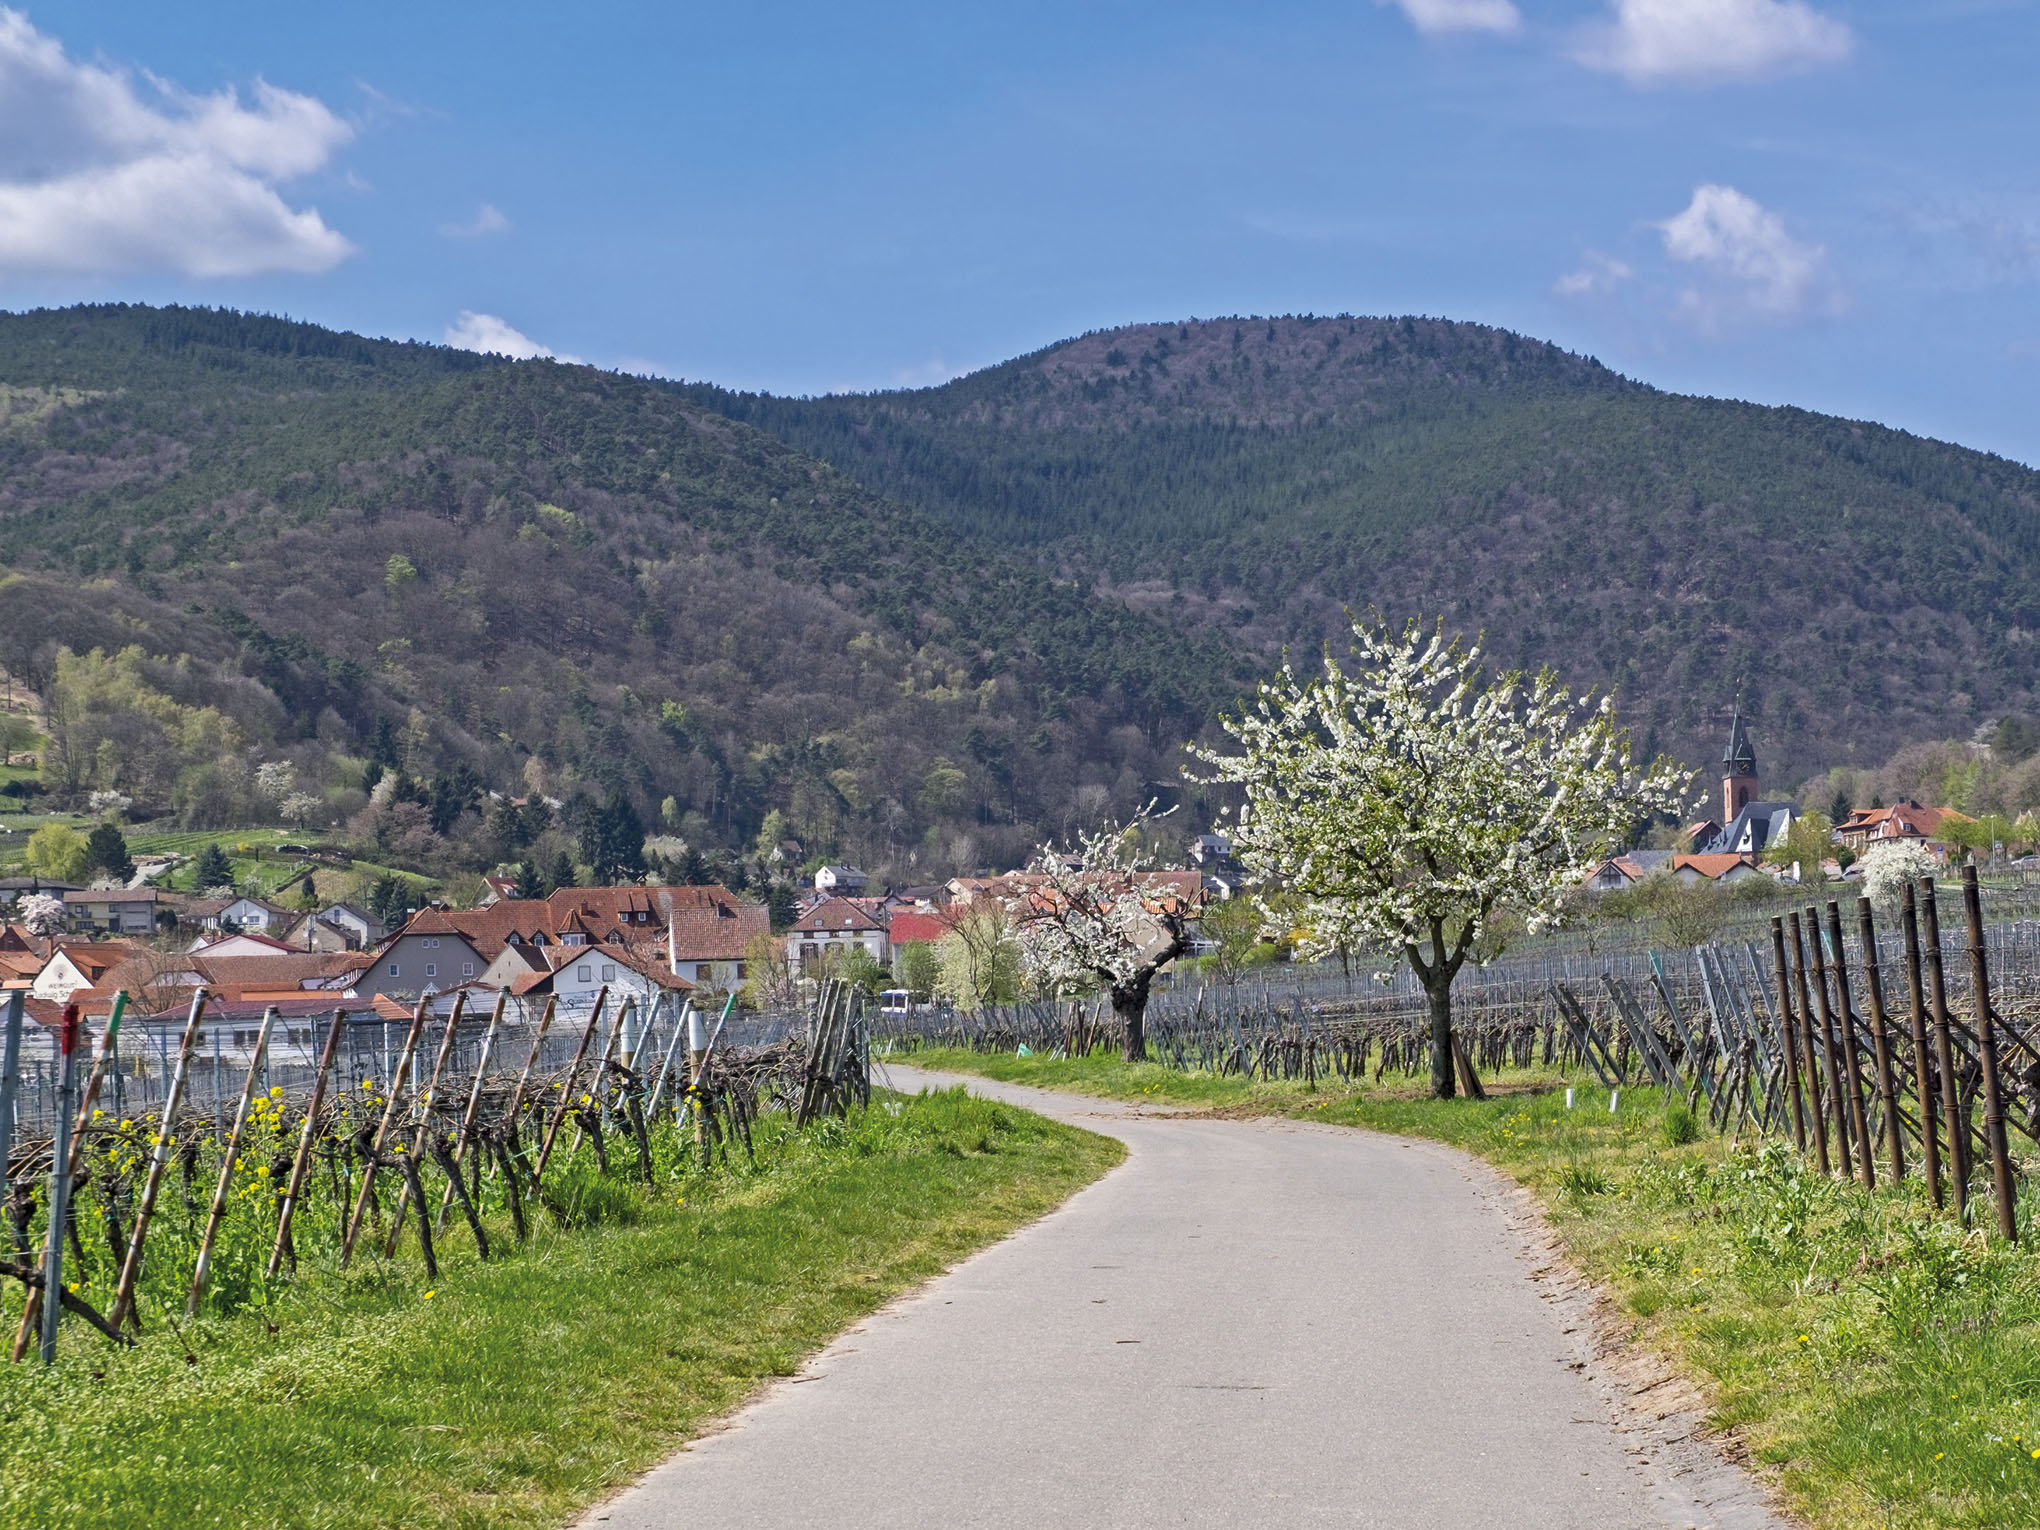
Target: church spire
column 1738, row 770
column 1739, row 758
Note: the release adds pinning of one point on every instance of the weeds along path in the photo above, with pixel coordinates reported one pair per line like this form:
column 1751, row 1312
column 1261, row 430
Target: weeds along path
column 1248, row 1323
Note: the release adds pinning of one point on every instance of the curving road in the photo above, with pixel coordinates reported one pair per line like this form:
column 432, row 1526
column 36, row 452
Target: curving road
column 1247, row 1323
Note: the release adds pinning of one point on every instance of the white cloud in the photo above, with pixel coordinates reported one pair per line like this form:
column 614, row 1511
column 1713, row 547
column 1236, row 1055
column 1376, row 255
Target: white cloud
column 99, row 175
column 1459, row 15
column 1649, row 41
column 926, row 374
column 1599, row 274
column 488, row 219
column 1751, row 265
column 485, row 332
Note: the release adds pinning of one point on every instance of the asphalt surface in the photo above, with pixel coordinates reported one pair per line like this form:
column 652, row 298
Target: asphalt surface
column 1247, row 1323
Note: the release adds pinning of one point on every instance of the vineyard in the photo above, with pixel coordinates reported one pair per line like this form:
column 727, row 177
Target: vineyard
column 139, row 1196
column 1877, row 1045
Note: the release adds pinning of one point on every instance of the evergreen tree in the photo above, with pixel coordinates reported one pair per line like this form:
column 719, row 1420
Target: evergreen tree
column 528, row 883
column 214, row 869
column 107, row 848
column 389, row 899
column 562, row 873
column 779, row 905
column 693, row 869
column 382, row 744
column 613, row 841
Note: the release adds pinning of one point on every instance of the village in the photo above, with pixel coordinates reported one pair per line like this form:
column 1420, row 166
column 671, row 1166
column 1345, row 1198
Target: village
column 706, row 947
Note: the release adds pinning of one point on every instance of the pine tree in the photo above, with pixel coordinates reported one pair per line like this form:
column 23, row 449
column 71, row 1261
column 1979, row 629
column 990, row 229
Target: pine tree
column 562, row 873
column 693, row 869
column 528, row 884
column 108, row 850
column 214, row 869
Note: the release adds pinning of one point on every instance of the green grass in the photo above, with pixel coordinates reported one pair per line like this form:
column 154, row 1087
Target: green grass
column 1881, row 1361
column 516, row 1392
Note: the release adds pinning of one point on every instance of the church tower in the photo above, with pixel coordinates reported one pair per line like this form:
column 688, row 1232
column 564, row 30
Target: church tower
column 1738, row 771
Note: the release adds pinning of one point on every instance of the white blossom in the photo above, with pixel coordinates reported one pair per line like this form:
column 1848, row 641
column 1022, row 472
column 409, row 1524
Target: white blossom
column 42, row 914
column 276, row 779
column 299, row 806
column 1411, row 798
column 1888, row 867
column 1098, row 915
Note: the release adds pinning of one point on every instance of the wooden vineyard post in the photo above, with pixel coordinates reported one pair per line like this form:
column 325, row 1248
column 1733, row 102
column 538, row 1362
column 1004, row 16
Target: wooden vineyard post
column 462, row 1141
column 60, row 1190
column 1845, row 1012
column 302, row 1163
column 1830, row 1049
column 1791, row 1049
column 573, row 1078
column 1986, row 1049
column 82, row 1115
column 421, row 1108
column 1954, row 1119
column 10, row 1066
column 131, row 1267
column 1788, row 1018
column 509, row 1152
column 226, row 1181
column 1923, row 1059
column 382, row 1131
column 1880, row 1040
column 1816, row 1107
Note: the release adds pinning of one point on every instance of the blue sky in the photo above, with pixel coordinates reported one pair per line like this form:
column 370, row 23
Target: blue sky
column 1803, row 201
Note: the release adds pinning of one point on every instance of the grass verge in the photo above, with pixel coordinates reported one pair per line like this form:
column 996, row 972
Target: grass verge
column 515, row 1392
column 1884, row 1362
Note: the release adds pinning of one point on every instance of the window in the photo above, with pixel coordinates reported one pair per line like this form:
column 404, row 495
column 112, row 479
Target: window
column 467, row 969
column 740, row 972
column 581, row 975
column 393, row 970
column 432, row 969
column 608, row 972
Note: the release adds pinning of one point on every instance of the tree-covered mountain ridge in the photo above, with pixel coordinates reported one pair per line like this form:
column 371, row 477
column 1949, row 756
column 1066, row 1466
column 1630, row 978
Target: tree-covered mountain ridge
column 541, row 578
column 1857, row 584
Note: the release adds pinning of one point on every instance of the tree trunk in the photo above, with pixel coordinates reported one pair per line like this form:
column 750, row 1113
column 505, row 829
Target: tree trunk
column 1129, row 1008
column 1443, row 1084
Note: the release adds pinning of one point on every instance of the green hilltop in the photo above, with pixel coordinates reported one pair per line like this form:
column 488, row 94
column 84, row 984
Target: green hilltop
column 1257, row 477
column 344, row 546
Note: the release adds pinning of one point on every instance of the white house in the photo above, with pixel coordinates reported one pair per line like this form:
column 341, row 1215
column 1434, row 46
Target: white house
column 842, row 881
column 835, row 926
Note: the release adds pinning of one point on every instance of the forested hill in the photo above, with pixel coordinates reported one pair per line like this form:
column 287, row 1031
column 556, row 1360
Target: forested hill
column 1256, row 476
column 536, row 575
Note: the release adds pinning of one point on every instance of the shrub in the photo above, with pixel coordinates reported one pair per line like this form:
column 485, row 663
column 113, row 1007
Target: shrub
column 1681, row 1126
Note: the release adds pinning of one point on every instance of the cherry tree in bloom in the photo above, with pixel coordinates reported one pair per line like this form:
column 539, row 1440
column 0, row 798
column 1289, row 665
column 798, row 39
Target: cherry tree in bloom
column 1411, row 798
column 42, row 914
column 1099, row 915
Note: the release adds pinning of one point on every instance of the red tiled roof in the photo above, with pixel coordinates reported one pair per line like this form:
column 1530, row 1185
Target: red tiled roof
column 292, row 970
column 907, row 926
column 1711, row 866
column 836, row 914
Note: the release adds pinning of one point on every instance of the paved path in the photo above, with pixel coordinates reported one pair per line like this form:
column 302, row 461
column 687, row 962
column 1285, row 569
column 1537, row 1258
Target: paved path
column 1248, row 1323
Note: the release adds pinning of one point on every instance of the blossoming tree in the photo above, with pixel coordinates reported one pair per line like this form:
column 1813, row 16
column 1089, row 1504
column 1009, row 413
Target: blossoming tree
column 1100, row 915
column 1411, row 798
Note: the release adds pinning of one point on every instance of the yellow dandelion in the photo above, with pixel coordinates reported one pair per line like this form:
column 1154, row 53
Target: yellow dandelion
column 430, row 1294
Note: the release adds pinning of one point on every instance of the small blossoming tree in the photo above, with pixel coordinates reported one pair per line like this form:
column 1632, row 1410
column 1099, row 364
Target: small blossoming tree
column 42, row 914
column 1099, row 915
column 1888, row 867
column 1412, row 798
